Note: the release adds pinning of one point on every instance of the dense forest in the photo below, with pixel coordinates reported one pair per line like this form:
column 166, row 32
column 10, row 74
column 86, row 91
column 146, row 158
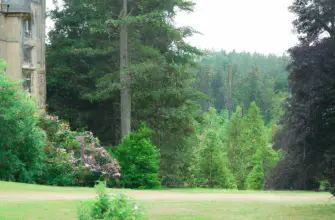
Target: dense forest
column 254, row 77
column 198, row 118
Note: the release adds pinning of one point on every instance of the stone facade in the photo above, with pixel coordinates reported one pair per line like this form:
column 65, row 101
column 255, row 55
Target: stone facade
column 22, row 44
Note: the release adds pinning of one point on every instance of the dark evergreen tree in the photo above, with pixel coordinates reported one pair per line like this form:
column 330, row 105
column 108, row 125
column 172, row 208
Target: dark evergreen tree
column 83, row 74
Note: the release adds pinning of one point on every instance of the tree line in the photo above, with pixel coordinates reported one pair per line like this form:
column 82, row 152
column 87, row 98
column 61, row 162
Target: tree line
column 198, row 118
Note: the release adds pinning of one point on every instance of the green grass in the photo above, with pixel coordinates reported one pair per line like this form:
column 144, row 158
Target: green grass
column 165, row 209
column 66, row 210
column 38, row 210
column 232, row 191
column 21, row 187
column 26, row 188
column 11, row 187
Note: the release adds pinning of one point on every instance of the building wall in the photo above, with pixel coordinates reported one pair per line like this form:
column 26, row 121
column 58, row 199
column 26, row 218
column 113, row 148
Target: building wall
column 12, row 38
column 2, row 30
column 23, row 51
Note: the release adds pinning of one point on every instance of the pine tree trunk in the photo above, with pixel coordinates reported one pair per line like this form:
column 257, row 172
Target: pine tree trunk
column 124, row 78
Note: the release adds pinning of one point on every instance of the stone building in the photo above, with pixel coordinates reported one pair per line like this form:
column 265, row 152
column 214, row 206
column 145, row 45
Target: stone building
column 22, row 44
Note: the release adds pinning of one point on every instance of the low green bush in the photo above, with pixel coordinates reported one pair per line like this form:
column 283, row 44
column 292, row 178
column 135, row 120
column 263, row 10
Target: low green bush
column 139, row 160
column 105, row 207
column 255, row 180
column 58, row 173
column 324, row 185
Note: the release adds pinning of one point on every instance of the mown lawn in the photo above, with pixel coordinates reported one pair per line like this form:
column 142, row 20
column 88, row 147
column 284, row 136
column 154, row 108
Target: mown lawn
column 21, row 188
column 173, row 209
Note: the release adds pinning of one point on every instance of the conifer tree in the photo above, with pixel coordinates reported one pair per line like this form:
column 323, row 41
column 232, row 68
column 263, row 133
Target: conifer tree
column 236, row 148
column 214, row 171
column 84, row 74
column 260, row 157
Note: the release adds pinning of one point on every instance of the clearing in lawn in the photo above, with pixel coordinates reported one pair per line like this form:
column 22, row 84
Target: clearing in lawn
column 22, row 201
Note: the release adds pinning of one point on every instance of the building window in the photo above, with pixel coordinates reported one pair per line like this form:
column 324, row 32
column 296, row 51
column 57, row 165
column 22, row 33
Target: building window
column 27, row 81
column 27, row 27
column 4, row 8
column 27, row 56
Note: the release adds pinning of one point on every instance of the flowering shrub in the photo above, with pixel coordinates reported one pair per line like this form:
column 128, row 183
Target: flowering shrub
column 49, row 124
column 73, row 158
column 59, row 133
column 110, row 208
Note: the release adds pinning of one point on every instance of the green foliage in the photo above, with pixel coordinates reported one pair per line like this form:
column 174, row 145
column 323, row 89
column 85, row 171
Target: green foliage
column 119, row 207
column 250, row 156
column 234, row 153
column 83, row 75
column 259, row 88
column 255, row 180
column 59, row 173
column 256, row 134
column 63, row 162
column 308, row 123
column 332, row 191
column 139, row 160
column 2, row 66
column 83, row 86
column 237, row 149
column 256, row 77
column 324, row 185
column 21, row 140
column 213, row 171
column 211, row 162
column 314, row 18
column 29, row 141
column 277, row 109
column 58, row 169
column 263, row 157
column 307, row 128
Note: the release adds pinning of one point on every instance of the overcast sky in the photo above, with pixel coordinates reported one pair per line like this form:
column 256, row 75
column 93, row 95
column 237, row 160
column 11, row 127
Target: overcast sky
column 263, row 26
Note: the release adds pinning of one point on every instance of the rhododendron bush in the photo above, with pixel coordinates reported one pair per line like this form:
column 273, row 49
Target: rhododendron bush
column 74, row 158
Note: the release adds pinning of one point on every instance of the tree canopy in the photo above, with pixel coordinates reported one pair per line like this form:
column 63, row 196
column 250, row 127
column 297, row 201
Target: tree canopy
column 308, row 124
